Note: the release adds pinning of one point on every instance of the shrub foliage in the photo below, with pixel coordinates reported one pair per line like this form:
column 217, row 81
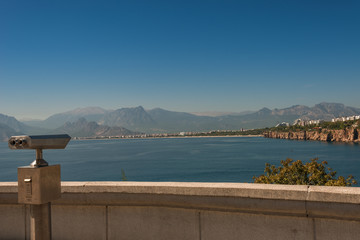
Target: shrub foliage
column 299, row 173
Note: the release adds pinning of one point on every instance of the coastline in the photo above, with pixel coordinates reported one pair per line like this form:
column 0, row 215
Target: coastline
column 119, row 138
column 212, row 136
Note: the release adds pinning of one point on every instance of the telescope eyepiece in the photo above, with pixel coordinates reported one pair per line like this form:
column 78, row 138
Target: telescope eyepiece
column 18, row 143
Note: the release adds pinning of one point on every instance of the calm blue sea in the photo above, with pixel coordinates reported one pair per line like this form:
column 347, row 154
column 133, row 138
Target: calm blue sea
column 221, row 159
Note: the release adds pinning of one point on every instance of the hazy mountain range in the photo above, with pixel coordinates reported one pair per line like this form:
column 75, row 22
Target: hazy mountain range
column 95, row 121
column 83, row 128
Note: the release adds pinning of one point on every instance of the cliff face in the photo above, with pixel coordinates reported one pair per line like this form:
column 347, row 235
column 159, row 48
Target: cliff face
column 347, row 135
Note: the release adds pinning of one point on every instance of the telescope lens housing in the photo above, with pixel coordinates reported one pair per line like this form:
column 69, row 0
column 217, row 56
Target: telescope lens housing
column 39, row 141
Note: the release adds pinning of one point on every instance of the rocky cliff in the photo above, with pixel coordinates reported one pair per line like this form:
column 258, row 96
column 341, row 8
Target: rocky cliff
column 344, row 135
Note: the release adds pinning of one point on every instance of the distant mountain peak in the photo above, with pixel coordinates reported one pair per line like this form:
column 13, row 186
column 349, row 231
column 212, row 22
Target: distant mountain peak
column 264, row 110
column 83, row 128
column 140, row 107
column 11, row 122
column 131, row 108
column 131, row 118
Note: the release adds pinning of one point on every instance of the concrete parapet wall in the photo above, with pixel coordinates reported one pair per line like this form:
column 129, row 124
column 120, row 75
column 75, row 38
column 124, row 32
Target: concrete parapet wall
column 194, row 211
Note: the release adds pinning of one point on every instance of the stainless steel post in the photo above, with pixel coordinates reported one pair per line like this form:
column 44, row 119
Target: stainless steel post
column 39, row 161
column 40, row 221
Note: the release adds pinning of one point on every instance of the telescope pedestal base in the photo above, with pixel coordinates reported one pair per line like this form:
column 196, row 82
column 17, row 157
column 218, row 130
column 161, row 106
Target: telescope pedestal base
column 39, row 185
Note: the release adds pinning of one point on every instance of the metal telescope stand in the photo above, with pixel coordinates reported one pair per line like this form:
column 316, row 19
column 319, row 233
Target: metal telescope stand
column 38, row 185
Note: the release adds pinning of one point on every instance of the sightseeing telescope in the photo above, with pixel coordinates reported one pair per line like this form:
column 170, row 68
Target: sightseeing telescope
column 39, row 142
column 39, row 183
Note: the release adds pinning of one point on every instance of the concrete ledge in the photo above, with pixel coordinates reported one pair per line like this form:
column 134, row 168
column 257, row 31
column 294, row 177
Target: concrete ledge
column 334, row 194
column 243, row 190
column 8, row 187
column 248, row 190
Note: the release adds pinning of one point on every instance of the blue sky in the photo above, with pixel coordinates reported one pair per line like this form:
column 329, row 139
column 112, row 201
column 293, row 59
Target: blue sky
column 187, row 56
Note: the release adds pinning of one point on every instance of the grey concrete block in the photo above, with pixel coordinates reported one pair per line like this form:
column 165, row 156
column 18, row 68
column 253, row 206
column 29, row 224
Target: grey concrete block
column 158, row 223
column 12, row 222
column 78, row 222
column 331, row 229
column 234, row 226
column 339, row 211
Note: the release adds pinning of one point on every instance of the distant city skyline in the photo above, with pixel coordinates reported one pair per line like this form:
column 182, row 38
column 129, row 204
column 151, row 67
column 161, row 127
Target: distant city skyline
column 187, row 56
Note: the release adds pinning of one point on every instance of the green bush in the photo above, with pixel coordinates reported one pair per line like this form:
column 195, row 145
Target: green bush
column 297, row 173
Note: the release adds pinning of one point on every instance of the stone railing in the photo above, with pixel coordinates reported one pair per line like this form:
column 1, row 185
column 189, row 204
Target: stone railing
column 195, row 211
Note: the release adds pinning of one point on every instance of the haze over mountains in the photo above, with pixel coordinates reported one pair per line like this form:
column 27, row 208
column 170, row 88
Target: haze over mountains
column 95, row 121
column 83, row 128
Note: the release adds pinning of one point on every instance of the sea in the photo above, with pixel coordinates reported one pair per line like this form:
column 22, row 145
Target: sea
column 188, row 159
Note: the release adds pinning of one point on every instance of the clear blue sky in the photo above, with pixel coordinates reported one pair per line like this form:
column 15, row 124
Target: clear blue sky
column 178, row 55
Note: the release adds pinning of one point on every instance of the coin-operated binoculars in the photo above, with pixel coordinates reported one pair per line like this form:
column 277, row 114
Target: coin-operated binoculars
column 39, row 183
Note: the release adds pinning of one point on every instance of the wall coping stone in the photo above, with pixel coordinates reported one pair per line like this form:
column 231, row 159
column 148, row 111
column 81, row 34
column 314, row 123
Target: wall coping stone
column 239, row 190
